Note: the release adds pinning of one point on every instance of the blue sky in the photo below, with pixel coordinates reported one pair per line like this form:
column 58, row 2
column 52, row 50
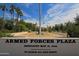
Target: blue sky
column 52, row 13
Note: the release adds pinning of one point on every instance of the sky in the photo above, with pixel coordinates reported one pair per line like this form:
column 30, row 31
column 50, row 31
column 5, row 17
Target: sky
column 51, row 13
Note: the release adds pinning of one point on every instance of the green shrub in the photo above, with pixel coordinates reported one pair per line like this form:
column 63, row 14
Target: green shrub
column 5, row 34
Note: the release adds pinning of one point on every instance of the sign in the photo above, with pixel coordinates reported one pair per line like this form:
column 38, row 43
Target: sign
column 39, row 47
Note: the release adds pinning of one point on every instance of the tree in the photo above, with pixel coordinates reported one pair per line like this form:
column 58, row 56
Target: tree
column 19, row 13
column 1, row 22
column 49, row 28
column 3, row 8
column 9, row 25
column 21, row 27
column 12, row 9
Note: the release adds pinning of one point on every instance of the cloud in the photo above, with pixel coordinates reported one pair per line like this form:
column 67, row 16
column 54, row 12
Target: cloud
column 29, row 18
column 56, row 16
column 7, row 15
column 27, row 4
column 54, row 11
column 32, row 20
column 25, row 15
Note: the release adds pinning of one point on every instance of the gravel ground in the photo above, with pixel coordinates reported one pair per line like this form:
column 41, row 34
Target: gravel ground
column 43, row 35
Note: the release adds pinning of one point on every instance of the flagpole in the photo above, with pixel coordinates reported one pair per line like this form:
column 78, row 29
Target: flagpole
column 39, row 19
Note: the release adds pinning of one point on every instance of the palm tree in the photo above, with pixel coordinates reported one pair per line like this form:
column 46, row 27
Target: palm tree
column 3, row 8
column 19, row 14
column 12, row 9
